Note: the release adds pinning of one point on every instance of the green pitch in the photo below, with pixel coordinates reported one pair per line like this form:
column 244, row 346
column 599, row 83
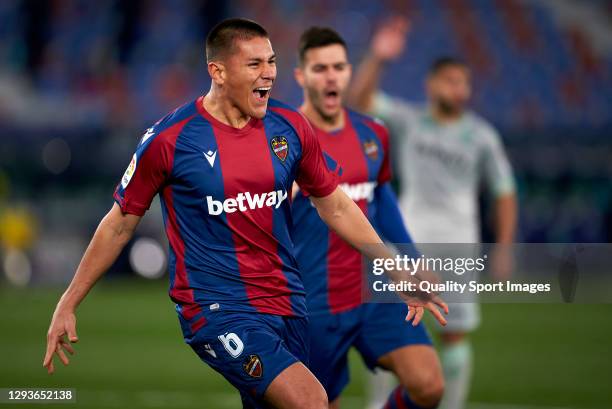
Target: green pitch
column 131, row 354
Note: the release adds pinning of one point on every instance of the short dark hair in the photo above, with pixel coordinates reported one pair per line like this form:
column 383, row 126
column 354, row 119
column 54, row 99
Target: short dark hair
column 316, row 37
column 222, row 37
column 444, row 62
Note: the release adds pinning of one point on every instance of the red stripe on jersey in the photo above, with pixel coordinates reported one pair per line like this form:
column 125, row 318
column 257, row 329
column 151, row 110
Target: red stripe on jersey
column 246, row 166
column 344, row 263
column 399, row 399
column 198, row 324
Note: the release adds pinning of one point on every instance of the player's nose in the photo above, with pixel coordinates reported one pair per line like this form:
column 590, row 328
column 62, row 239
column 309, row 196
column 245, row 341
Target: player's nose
column 269, row 72
column 331, row 77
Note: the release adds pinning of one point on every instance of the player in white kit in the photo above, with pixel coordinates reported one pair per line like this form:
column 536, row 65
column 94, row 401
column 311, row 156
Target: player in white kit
column 444, row 153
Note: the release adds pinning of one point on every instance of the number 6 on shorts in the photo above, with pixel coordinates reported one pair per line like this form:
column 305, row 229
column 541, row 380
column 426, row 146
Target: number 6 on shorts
column 232, row 344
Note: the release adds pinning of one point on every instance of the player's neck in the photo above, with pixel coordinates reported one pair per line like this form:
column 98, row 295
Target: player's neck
column 224, row 111
column 445, row 118
column 327, row 124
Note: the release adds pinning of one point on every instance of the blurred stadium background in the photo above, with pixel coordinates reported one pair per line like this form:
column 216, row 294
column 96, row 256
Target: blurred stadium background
column 81, row 80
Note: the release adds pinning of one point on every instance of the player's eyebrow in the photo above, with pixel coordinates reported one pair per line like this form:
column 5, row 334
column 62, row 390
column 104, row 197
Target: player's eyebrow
column 259, row 59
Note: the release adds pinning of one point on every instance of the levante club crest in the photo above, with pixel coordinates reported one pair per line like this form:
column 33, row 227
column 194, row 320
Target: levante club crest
column 253, row 366
column 280, row 147
column 371, row 149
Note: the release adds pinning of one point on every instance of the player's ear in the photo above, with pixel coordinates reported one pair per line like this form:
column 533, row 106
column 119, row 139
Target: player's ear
column 299, row 76
column 216, row 70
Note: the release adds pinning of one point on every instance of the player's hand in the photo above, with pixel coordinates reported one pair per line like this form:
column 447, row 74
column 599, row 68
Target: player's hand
column 63, row 324
column 417, row 308
column 389, row 40
column 419, row 301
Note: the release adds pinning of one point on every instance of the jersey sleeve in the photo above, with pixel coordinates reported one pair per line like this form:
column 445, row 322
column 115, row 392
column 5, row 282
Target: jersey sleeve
column 313, row 175
column 147, row 172
column 496, row 169
column 389, row 222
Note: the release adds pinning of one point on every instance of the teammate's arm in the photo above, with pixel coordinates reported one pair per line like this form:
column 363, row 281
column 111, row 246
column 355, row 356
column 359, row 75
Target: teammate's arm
column 112, row 234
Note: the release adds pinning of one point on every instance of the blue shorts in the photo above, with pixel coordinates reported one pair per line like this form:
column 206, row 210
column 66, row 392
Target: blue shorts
column 373, row 329
column 249, row 350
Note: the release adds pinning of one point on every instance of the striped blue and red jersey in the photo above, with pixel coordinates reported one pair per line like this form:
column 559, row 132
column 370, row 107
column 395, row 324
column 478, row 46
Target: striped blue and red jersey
column 225, row 196
column 332, row 269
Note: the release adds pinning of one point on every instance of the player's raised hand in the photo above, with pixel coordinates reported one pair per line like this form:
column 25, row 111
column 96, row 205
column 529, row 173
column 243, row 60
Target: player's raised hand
column 63, row 324
column 389, row 40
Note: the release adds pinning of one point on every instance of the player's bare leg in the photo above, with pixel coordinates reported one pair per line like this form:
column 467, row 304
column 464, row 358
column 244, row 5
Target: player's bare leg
column 419, row 373
column 296, row 388
column 456, row 355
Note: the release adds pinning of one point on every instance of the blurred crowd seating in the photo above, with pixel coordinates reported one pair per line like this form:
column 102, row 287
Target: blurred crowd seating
column 80, row 80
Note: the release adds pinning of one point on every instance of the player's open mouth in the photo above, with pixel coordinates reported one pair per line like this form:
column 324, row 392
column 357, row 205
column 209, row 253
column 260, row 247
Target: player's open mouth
column 261, row 93
column 331, row 97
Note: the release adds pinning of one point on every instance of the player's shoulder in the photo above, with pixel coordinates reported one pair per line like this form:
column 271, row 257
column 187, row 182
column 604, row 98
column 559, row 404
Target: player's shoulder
column 482, row 127
column 373, row 123
column 359, row 117
column 280, row 111
column 173, row 120
column 275, row 105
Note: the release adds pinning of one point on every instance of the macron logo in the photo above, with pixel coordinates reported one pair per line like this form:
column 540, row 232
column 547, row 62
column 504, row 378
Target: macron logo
column 149, row 133
column 246, row 201
column 210, row 157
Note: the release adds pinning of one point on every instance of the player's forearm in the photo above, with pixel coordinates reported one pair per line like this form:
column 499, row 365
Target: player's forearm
column 365, row 83
column 343, row 216
column 390, row 222
column 506, row 218
column 111, row 236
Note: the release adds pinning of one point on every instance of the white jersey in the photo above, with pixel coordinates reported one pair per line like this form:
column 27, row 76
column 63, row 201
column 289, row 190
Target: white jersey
column 441, row 168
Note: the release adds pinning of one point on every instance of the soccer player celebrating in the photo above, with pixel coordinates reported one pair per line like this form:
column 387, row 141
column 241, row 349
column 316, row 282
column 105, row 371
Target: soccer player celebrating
column 332, row 269
column 446, row 152
column 224, row 166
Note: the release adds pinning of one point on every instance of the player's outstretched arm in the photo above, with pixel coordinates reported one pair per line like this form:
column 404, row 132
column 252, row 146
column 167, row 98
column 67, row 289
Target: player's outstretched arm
column 387, row 44
column 342, row 215
column 113, row 233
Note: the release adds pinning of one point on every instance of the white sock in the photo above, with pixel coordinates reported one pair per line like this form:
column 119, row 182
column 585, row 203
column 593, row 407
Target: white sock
column 379, row 385
column 457, row 366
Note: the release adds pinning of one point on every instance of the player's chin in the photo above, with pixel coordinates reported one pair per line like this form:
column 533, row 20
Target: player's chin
column 332, row 112
column 258, row 109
